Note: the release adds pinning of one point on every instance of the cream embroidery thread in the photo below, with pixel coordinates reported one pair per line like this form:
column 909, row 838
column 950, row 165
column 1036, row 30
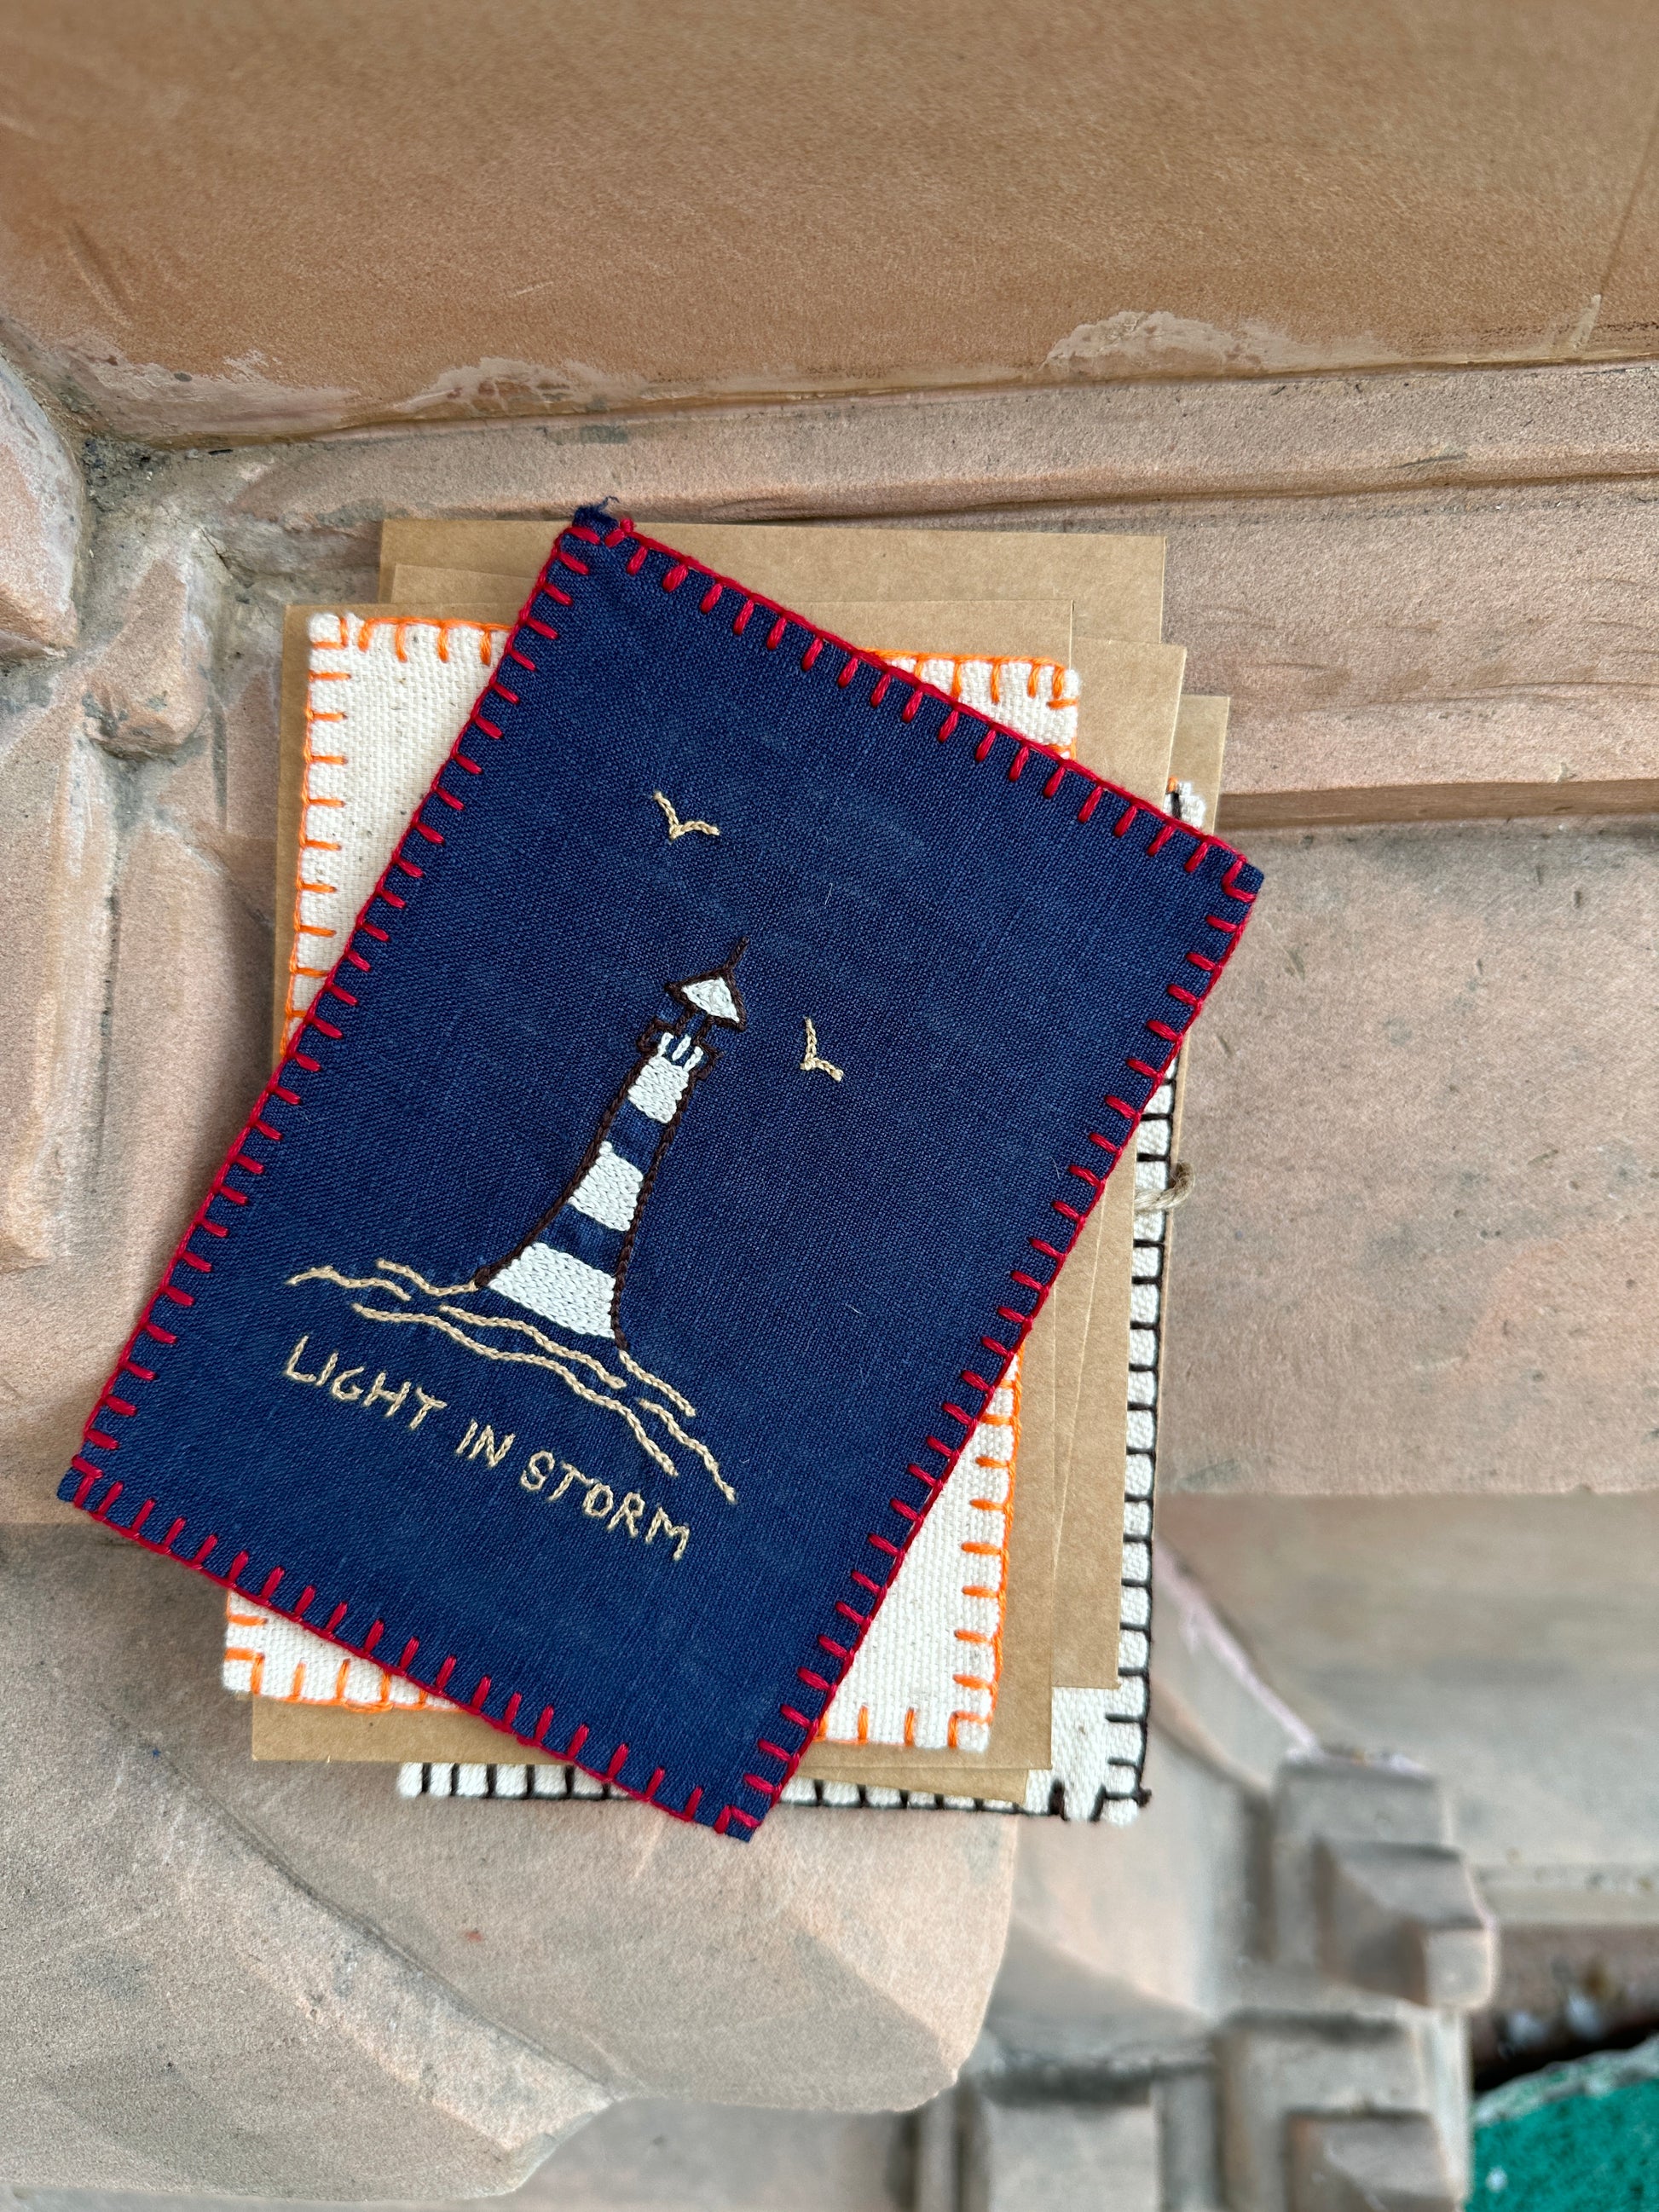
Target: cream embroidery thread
column 678, row 829
column 810, row 1060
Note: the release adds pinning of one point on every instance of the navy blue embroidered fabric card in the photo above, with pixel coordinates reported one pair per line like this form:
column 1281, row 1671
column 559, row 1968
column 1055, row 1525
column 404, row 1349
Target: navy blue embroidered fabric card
column 616, row 1265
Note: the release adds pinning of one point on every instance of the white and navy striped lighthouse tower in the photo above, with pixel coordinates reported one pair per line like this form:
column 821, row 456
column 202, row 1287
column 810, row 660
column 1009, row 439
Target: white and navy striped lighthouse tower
column 569, row 1268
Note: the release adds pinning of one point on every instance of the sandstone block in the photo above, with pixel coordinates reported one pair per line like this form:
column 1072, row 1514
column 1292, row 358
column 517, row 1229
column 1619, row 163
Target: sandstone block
column 1438, row 655
column 1050, row 2012
column 244, row 840
column 146, row 687
column 1510, row 1645
column 214, row 2026
column 1406, row 1919
column 1209, row 1699
column 222, row 789
column 1367, row 1887
column 1272, row 2067
column 188, row 1049
column 1378, row 2162
column 1200, row 237
column 1161, row 1907
column 1067, row 2156
column 41, row 505
column 150, row 998
column 1323, row 1798
column 1433, row 643
column 568, row 1953
column 1423, row 1111
column 651, row 2155
column 58, row 853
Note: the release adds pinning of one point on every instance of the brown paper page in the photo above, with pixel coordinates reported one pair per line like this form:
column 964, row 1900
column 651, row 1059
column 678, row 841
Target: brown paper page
column 1085, row 1640
column 319, row 1732
column 1039, row 629
column 1201, row 746
column 1089, row 1567
column 313, row 1733
column 1092, row 1296
column 1122, row 578
column 1129, row 738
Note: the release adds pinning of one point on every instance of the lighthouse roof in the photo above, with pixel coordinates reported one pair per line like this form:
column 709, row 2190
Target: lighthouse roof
column 714, row 995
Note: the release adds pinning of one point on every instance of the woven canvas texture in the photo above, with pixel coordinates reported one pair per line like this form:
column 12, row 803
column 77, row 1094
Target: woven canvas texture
column 559, row 1072
column 385, row 698
column 268, row 1657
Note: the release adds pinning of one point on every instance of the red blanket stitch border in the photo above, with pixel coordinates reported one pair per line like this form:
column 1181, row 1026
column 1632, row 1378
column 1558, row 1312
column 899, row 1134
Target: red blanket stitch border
column 909, row 1518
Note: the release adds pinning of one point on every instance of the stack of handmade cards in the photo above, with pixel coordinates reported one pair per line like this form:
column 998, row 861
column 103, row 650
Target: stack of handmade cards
column 800, row 1440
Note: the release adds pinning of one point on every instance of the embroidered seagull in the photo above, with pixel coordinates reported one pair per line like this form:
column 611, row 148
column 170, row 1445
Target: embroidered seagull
column 676, row 827
column 811, row 1060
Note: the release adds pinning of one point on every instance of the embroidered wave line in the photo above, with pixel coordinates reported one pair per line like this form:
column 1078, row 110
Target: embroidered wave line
column 326, row 1274
column 691, row 1443
column 528, row 1328
column 646, row 1443
column 552, row 1356
column 432, row 1290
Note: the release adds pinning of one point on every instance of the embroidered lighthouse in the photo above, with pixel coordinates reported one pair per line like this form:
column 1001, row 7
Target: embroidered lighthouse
column 569, row 1268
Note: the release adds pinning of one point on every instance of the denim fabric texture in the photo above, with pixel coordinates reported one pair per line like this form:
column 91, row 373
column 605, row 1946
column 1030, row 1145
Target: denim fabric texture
column 645, row 1530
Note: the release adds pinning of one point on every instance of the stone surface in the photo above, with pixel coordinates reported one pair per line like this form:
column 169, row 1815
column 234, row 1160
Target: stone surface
column 649, row 2154
column 40, row 526
column 1581, row 1967
column 161, row 1039
column 1376, row 2162
column 1406, row 1918
column 1275, row 2066
column 1053, row 2015
column 1510, row 1644
column 188, row 1047
column 136, row 813
column 58, row 837
column 1257, row 1945
column 959, row 454
column 212, row 2024
column 1066, row 2156
column 1161, row 1907
column 146, row 687
column 1423, row 1115
column 1324, row 1798
column 1447, row 648
column 1211, row 1700
column 1448, row 654
column 1435, row 642
column 1235, row 224
column 571, row 1954
column 1366, row 1884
